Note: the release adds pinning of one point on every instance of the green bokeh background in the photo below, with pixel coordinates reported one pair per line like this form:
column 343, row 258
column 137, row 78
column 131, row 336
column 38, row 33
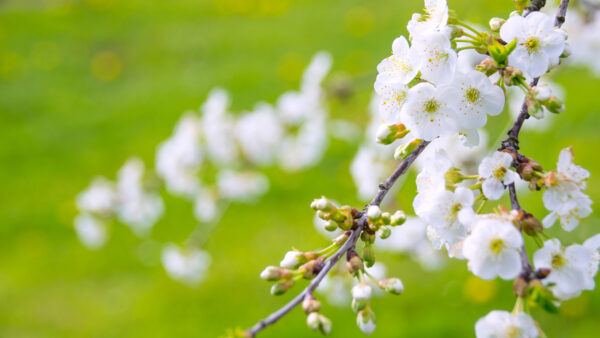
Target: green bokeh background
column 86, row 84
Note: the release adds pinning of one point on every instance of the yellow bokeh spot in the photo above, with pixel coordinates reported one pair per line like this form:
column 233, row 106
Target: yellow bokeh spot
column 46, row 55
column 291, row 66
column 478, row 290
column 106, row 66
column 359, row 21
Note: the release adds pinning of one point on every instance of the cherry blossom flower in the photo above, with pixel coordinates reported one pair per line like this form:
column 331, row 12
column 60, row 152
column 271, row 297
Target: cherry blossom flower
column 438, row 59
column 563, row 196
column 572, row 268
column 259, row 134
column 361, row 291
column 496, row 171
column 393, row 96
column 539, row 44
column 428, row 111
column 477, row 97
column 401, row 67
column 187, row 266
column 493, row 249
column 505, row 324
column 434, row 20
column 91, row 231
column 99, row 197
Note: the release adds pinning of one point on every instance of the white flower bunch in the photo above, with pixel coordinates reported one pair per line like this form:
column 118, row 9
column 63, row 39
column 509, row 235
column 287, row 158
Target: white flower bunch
column 185, row 265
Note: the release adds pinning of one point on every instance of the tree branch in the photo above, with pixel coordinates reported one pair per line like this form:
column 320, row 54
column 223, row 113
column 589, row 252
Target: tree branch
column 383, row 190
column 512, row 142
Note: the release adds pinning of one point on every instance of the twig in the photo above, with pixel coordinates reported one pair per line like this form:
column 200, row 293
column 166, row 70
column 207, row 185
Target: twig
column 383, row 190
column 512, row 142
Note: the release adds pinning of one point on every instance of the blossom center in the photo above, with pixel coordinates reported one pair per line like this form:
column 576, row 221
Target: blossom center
column 473, row 94
column 558, row 260
column 512, row 331
column 499, row 173
column 496, row 245
column 532, row 44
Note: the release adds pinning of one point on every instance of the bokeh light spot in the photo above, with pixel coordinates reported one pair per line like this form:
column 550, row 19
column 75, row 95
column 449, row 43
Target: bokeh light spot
column 291, row 66
column 479, row 290
column 106, row 66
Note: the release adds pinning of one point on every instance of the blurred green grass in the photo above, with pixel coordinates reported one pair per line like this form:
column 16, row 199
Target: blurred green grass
column 86, row 84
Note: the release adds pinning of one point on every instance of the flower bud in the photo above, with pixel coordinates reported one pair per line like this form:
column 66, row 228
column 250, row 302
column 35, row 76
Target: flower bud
column 527, row 169
column 330, row 225
column 535, row 109
column 369, row 256
column 310, row 269
column 453, row 176
column 488, row 66
column 323, row 204
column 341, row 239
column 387, row 134
column 367, row 237
column 310, row 304
column 385, row 218
column 315, row 321
column 392, row 285
column 404, row 150
column 271, row 273
column 292, row 259
column 281, row 288
column 384, row 232
column 398, row 218
column 353, row 262
column 554, row 105
column 496, row 23
column 366, row 321
column 513, row 76
column 543, row 272
column 531, row 225
column 373, row 213
column 362, row 291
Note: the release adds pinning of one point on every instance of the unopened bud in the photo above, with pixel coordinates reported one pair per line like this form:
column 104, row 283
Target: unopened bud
column 535, row 109
column 316, row 321
column 527, row 169
column 271, row 273
column 543, row 272
column 531, row 225
column 453, row 176
column 384, row 232
column 392, row 285
column 520, row 287
column 310, row 269
column 341, row 239
column 386, row 218
column 373, row 213
column 330, row 225
column 554, row 105
column 398, row 218
column 496, row 23
column 387, row 134
column 323, row 204
column 487, row 66
column 367, row 237
column 310, row 304
column 362, row 291
column 513, row 76
column 369, row 256
column 281, row 288
column 353, row 262
column 292, row 259
column 404, row 150
column 366, row 321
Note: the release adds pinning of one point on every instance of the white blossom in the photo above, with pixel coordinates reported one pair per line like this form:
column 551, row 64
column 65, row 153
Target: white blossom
column 434, row 20
column 91, row 231
column 99, row 197
column 503, row 324
column 137, row 208
column 259, row 134
column 438, row 59
column 366, row 322
column 241, row 186
column 496, row 170
column 476, row 98
column 428, row 111
column 564, row 196
column 205, row 206
column 401, row 67
column 539, row 44
column 187, row 266
column 393, row 96
column 218, row 128
column 178, row 159
column 493, row 249
column 572, row 268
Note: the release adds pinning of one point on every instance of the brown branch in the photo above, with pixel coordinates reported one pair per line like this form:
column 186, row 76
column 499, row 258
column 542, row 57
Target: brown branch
column 349, row 244
column 512, row 142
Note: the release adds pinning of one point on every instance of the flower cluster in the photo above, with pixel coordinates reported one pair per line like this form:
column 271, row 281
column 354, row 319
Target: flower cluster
column 211, row 159
column 438, row 86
